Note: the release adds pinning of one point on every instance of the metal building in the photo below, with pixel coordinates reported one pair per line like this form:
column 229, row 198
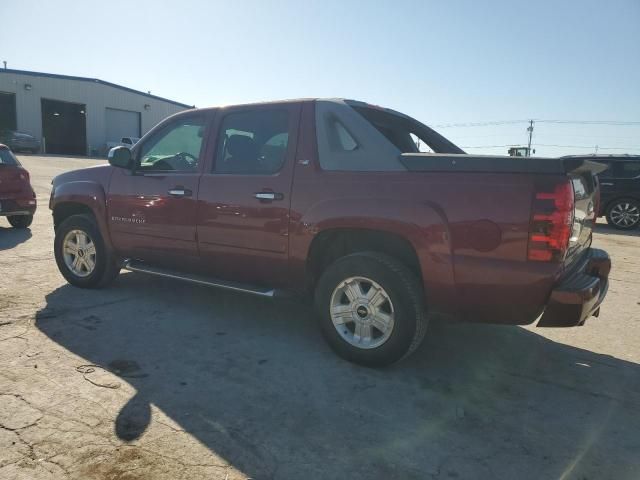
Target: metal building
column 77, row 115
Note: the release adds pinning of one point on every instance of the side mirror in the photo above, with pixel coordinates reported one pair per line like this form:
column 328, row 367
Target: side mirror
column 120, row 157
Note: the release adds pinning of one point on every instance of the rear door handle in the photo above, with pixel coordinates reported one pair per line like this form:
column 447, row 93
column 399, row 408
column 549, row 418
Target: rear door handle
column 179, row 191
column 606, row 183
column 268, row 196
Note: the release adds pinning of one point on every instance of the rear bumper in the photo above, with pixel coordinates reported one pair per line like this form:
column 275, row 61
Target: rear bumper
column 579, row 295
column 26, row 206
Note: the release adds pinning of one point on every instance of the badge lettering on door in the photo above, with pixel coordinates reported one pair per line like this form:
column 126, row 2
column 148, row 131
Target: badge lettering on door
column 127, row 219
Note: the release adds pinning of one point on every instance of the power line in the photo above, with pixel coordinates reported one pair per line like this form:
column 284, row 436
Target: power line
column 553, row 145
column 480, row 124
column 514, row 122
column 588, row 146
column 591, row 122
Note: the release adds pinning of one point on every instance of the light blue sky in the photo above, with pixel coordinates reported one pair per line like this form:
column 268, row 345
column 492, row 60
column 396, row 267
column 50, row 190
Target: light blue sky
column 442, row 62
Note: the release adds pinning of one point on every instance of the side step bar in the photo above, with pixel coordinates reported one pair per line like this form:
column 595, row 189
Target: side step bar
column 137, row 266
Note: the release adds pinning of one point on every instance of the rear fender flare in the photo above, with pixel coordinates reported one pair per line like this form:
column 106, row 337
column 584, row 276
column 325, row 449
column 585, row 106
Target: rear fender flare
column 424, row 225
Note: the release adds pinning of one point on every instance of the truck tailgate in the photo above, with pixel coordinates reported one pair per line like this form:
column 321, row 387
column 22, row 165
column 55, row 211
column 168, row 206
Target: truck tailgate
column 586, row 198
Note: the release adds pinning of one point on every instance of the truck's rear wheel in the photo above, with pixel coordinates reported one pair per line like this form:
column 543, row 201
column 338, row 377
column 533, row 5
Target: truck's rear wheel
column 81, row 255
column 370, row 308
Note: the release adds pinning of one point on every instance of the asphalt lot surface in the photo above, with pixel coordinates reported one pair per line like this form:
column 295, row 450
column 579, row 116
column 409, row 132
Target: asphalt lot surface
column 196, row 383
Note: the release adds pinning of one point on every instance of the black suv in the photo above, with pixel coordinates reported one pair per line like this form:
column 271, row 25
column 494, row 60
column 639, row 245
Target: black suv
column 619, row 189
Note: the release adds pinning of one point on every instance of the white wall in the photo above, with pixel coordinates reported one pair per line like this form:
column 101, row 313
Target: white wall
column 96, row 96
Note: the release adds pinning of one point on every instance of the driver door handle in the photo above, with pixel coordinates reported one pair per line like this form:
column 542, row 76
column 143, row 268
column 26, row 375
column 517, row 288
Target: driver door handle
column 268, row 196
column 179, row 191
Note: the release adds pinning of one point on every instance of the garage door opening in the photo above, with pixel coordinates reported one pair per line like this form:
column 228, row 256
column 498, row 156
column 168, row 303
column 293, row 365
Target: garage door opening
column 7, row 111
column 64, row 127
column 121, row 123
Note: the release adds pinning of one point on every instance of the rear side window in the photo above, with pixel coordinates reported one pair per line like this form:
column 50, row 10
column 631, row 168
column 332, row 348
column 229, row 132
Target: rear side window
column 252, row 142
column 339, row 136
column 405, row 133
column 607, row 173
column 7, row 158
column 627, row 169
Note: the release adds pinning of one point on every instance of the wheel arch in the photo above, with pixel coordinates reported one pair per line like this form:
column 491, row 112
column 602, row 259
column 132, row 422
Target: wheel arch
column 333, row 243
column 81, row 197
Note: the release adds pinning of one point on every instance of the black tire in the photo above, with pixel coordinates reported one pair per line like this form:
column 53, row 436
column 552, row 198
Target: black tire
column 626, row 204
column 20, row 221
column 405, row 293
column 106, row 266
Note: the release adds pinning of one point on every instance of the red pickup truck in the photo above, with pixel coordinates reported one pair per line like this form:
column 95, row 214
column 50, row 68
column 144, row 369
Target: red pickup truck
column 376, row 215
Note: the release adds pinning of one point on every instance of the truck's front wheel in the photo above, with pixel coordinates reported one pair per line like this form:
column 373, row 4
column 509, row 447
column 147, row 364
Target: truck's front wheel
column 370, row 308
column 81, row 255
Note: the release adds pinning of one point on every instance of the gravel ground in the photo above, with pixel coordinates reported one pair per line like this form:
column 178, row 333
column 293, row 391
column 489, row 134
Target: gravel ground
column 156, row 379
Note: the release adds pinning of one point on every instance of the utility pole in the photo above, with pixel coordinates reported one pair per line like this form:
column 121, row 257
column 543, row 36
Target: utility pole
column 596, row 149
column 530, row 130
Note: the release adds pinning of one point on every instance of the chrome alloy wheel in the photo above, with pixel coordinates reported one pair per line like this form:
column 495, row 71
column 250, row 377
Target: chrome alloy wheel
column 625, row 214
column 79, row 253
column 362, row 312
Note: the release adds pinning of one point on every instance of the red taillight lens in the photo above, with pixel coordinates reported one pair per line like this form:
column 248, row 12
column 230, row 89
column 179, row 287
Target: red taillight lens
column 551, row 222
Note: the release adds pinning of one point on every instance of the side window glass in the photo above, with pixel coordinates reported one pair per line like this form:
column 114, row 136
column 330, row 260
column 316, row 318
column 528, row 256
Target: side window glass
column 629, row 169
column 175, row 149
column 339, row 137
column 608, row 173
column 421, row 145
column 253, row 142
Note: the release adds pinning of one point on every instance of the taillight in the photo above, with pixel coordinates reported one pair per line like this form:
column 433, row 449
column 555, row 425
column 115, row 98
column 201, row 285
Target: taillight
column 551, row 222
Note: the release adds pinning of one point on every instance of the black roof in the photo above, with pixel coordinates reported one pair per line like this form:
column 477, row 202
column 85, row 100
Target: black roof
column 93, row 80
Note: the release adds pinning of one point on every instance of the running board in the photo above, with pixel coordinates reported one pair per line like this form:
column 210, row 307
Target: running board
column 137, row 266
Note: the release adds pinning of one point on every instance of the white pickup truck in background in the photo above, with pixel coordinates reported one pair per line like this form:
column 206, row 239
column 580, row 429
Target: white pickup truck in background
column 124, row 142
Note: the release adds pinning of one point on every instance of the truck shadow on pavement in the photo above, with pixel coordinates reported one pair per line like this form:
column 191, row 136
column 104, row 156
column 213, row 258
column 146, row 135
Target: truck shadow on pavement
column 10, row 237
column 253, row 381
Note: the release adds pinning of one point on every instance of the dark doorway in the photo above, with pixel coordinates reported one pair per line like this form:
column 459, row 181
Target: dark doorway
column 7, row 111
column 64, row 127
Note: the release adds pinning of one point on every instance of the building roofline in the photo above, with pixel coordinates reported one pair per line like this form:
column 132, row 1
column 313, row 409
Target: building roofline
column 93, row 80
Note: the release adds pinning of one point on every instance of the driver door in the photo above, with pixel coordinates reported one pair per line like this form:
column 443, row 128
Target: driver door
column 152, row 209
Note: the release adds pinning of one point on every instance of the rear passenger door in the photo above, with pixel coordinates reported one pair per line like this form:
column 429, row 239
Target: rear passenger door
column 245, row 196
column 621, row 180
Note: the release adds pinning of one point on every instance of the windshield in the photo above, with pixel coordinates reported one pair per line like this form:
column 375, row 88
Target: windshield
column 7, row 157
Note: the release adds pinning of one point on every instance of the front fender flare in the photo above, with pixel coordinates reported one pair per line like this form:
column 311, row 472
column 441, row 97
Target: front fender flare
column 89, row 194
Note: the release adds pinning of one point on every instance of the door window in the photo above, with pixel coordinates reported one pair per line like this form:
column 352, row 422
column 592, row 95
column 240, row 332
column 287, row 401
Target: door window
column 627, row 169
column 175, row 148
column 253, row 142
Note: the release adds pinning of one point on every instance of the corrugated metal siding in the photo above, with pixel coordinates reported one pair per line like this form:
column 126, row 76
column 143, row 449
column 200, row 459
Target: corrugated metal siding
column 96, row 96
